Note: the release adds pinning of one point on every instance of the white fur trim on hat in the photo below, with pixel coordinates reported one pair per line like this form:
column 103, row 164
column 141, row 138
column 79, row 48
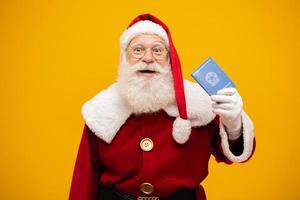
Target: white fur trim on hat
column 143, row 27
column 181, row 130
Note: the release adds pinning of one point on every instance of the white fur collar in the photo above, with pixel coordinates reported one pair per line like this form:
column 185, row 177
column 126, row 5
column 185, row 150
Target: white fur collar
column 105, row 113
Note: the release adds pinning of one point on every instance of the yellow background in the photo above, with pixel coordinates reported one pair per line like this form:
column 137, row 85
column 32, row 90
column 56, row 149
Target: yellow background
column 55, row 55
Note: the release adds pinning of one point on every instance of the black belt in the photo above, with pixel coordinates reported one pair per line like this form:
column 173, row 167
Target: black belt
column 109, row 193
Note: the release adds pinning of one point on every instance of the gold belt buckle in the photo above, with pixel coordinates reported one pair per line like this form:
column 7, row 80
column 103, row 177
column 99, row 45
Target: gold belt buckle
column 148, row 198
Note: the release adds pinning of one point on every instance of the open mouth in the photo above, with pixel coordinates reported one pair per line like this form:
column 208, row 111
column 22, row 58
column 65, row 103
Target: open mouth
column 147, row 72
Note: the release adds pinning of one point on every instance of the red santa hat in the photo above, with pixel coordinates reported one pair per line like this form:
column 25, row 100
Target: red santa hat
column 148, row 24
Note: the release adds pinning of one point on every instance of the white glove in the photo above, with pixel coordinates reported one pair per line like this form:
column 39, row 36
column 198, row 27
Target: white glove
column 228, row 104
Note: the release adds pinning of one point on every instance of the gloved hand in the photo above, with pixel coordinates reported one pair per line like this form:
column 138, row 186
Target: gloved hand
column 228, row 104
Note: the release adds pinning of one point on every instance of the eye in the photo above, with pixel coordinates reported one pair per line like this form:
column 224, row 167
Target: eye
column 157, row 50
column 138, row 49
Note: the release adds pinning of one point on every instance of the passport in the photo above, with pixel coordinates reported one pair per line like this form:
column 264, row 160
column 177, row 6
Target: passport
column 211, row 77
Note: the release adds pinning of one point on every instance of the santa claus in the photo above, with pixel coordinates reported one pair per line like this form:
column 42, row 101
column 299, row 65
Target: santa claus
column 150, row 135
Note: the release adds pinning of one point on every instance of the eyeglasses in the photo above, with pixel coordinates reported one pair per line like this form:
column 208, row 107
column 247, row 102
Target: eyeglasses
column 159, row 52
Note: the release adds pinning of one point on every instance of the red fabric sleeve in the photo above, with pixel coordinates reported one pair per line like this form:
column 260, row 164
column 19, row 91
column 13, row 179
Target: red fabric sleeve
column 87, row 169
column 216, row 142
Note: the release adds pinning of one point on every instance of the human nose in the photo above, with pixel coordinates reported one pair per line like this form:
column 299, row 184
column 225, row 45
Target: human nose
column 148, row 57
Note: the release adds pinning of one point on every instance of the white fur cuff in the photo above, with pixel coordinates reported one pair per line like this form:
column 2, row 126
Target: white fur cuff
column 248, row 137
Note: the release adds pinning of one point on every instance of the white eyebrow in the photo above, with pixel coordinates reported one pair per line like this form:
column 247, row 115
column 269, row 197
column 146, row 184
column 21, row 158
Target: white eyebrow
column 136, row 43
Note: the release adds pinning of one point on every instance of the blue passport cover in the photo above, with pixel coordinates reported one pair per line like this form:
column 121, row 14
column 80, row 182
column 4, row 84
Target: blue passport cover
column 211, row 77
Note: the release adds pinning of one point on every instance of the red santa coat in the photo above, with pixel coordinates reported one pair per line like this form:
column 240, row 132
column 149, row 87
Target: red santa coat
column 116, row 157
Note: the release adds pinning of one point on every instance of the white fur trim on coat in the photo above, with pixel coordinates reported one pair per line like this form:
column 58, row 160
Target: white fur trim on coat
column 248, row 136
column 142, row 27
column 105, row 113
column 100, row 115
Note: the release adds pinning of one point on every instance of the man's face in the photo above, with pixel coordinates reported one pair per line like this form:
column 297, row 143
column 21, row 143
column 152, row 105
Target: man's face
column 148, row 49
column 145, row 77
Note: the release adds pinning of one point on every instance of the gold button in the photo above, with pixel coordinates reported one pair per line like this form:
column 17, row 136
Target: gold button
column 146, row 144
column 147, row 188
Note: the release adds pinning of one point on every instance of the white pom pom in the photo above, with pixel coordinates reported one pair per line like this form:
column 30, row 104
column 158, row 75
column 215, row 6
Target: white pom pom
column 181, row 130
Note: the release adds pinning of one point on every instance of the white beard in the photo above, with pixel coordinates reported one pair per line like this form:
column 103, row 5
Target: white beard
column 145, row 94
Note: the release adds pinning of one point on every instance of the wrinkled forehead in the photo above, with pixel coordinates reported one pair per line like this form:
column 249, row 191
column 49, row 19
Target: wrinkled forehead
column 147, row 40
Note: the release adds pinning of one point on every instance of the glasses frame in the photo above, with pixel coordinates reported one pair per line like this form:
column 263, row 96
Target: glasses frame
column 130, row 49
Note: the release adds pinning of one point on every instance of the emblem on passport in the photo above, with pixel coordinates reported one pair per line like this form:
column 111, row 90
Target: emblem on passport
column 211, row 77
